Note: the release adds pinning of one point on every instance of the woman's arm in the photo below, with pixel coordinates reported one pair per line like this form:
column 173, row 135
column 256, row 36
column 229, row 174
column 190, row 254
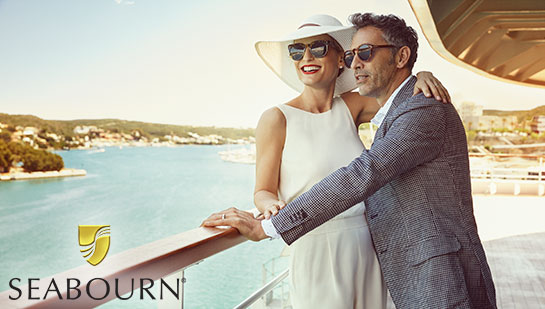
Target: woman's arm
column 363, row 109
column 270, row 137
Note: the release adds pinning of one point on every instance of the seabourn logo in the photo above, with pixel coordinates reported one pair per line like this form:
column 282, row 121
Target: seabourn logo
column 94, row 241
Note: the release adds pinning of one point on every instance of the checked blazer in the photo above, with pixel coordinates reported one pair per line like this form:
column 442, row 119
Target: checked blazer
column 416, row 186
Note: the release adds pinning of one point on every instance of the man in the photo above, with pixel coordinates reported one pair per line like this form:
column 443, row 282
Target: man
column 414, row 180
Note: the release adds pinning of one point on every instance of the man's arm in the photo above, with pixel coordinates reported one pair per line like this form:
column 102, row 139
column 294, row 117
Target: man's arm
column 415, row 137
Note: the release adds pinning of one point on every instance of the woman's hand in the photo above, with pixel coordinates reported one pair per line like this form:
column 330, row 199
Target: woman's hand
column 272, row 210
column 428, row 84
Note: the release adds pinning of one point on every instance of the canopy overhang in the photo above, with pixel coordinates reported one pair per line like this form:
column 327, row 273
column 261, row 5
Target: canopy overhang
column 501, row 39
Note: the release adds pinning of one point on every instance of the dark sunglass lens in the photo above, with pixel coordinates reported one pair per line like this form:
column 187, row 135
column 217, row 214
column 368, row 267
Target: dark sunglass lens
column 348, row 58
column 318, row 48
column 364, row 52
column 296, row 56
column 296, row 51
column 297, row 47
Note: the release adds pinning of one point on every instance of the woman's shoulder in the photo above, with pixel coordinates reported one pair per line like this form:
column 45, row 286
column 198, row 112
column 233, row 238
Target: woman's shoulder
column 272, row 118
column 271, row 128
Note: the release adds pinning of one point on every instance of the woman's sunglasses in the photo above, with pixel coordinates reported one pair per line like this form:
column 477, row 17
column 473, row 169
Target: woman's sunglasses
column 318, row 49
column 364, row 52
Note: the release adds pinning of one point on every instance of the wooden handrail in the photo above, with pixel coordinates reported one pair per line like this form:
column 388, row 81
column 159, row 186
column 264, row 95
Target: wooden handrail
column 505, row 155
column 154, row 261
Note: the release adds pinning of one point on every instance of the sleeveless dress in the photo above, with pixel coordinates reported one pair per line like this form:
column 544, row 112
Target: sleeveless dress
column 335, row 265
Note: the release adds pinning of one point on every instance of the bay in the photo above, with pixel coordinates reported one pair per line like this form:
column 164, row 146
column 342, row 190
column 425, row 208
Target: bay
column 145, row 194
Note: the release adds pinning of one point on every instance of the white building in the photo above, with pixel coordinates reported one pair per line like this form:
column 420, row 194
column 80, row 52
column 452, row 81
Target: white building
column 472, row 116
column 30, row 131
column 54, row 136
column 84, row 129
column 538, row 124
column 495, row 122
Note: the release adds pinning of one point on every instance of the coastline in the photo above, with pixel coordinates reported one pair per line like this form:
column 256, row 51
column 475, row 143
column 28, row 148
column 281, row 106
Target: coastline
column 20, row 175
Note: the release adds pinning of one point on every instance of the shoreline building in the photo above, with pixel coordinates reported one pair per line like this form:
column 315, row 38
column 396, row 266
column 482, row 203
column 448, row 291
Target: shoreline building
column 538, row 124
column 473, row 118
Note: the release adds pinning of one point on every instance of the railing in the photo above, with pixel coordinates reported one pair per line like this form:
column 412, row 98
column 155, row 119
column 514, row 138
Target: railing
column 155, row 260
column 491, row 179
column 518, row 146
column 263, row 291
column 506, row 155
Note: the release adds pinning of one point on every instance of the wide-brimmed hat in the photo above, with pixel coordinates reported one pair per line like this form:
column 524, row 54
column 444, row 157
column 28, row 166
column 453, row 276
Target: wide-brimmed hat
column 276, row 56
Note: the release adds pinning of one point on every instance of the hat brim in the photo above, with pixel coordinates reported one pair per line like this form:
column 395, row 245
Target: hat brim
column 276, row 57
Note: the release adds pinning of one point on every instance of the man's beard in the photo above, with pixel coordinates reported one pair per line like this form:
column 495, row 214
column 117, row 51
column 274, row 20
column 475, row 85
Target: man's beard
column 376, row 83
column 369, row 92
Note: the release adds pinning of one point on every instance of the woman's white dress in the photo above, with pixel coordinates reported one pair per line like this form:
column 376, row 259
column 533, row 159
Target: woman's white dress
column 335, row 265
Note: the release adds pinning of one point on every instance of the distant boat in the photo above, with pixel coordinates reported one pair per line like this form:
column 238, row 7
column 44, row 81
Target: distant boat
column 241, row 155
column 97, row 150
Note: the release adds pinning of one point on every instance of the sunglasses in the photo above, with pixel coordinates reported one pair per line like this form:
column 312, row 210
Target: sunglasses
column 318, row 49
column 364, row 52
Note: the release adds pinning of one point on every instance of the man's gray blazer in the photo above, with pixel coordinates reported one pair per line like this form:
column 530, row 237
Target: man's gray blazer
column 417, row 189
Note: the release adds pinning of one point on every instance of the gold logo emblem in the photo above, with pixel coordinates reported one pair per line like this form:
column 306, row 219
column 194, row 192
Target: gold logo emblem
column 94, row 241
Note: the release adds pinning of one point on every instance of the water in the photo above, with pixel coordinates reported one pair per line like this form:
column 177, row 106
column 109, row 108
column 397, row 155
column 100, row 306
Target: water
column 145, row 194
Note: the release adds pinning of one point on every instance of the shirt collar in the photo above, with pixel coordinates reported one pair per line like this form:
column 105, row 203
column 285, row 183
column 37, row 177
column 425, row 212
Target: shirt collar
column 379, row 117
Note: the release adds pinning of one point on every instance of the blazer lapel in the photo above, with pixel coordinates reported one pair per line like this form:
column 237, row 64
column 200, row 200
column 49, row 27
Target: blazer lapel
column 403, row 94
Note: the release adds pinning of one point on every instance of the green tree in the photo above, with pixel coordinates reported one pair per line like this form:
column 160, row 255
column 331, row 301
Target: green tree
column 33, row 159
column 40, row 160
column 17, row 150
column 6, row 157
column 5, row 136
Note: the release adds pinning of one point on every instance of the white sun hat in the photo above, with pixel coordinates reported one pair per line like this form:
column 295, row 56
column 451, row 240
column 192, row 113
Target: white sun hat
column 276, row 56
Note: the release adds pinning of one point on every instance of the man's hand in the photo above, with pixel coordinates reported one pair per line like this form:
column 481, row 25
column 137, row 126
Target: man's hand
column 243, row 221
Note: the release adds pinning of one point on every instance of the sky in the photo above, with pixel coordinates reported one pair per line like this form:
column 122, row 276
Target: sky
column 181, row 62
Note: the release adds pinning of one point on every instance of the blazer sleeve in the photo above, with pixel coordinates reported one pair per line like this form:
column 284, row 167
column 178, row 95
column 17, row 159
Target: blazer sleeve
column 414, row 137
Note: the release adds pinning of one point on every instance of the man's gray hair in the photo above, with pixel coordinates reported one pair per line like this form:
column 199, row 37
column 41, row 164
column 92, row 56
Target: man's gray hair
column 395, row 31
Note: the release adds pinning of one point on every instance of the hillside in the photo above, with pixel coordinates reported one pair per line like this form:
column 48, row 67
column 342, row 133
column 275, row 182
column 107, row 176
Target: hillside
column 66, row 127
column 521, row 115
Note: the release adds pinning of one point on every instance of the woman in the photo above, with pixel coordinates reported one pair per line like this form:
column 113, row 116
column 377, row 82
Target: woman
column 304, row 140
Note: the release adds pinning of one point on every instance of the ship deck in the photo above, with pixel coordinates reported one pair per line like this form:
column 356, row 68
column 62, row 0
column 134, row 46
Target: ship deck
column 513, row 232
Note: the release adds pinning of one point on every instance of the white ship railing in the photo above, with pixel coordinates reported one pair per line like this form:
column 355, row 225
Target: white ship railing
column 263, row 291
column 491, row 179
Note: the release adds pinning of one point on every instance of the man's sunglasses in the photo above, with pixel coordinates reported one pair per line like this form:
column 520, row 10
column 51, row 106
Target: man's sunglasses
column 364, row 52
column 318, row 49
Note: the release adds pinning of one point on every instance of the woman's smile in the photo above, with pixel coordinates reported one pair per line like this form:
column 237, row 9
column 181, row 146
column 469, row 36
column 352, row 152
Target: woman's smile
column 310, row 69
